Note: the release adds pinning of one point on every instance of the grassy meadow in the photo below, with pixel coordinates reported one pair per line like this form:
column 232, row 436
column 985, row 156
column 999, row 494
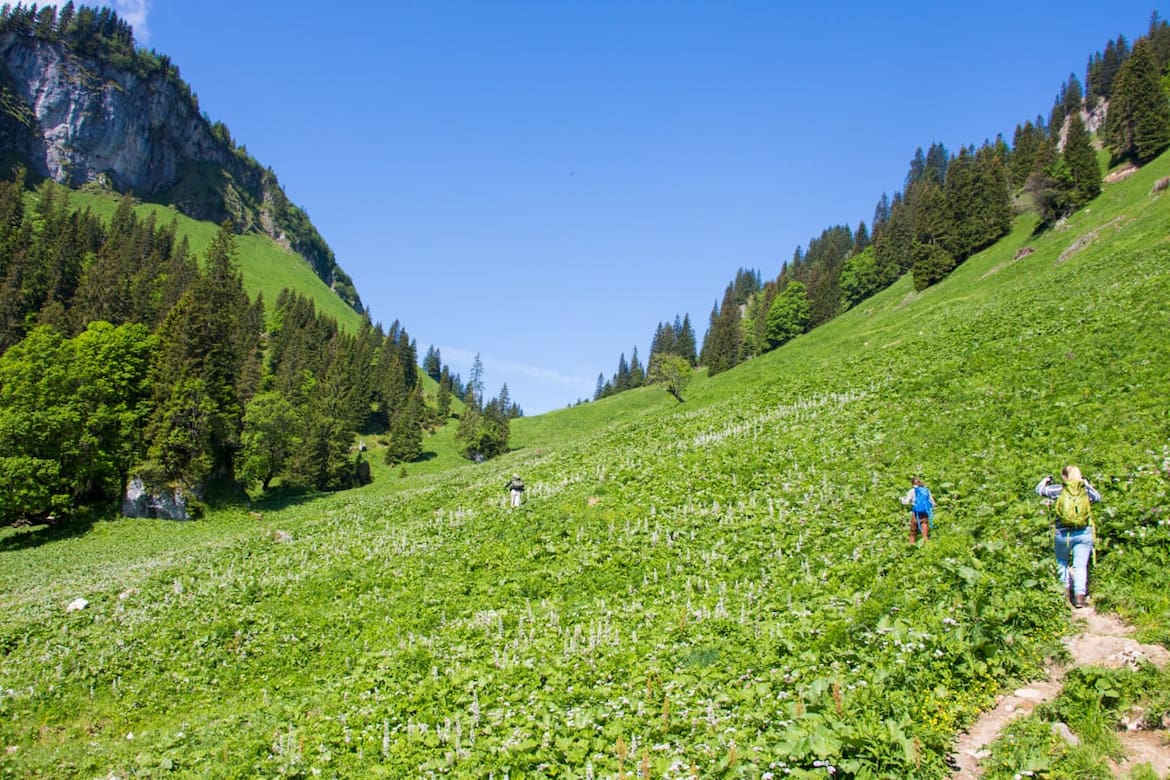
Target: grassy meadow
column 719, row 588
column 266, row 266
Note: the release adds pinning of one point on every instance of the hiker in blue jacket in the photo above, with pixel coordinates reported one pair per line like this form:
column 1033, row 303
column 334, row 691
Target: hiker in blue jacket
column 921, row 504
column 1073, row 541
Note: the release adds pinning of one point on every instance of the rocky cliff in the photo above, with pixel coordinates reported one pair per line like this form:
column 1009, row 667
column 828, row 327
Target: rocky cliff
column 81, row 119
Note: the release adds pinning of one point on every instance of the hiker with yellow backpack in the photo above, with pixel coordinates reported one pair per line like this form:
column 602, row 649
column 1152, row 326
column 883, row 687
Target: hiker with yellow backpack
column 1071, row 502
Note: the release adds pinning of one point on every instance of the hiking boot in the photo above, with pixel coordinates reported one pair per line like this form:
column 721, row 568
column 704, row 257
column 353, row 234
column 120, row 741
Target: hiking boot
column 1080, row 601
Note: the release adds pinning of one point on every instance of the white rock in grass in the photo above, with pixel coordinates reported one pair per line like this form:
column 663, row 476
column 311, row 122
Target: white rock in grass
column 77, row 604
column 1064, row 732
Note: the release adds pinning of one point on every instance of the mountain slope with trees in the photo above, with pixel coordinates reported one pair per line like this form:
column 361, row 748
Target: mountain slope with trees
column 719, row 588
column 60, row 68
column 952, row 206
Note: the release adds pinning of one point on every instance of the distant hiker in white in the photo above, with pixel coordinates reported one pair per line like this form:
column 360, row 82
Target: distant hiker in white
column 1071, row 503
column 516, row 488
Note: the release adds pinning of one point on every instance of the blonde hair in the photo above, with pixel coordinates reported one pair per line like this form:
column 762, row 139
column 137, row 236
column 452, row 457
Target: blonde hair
column 1071, row 474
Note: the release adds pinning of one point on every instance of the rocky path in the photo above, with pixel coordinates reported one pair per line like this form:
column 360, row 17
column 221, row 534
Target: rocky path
column 1104, row 641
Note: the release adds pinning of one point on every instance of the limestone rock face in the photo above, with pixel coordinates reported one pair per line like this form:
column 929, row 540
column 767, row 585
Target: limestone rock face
column 167, row 504
column 77, row 120
column 90, row 121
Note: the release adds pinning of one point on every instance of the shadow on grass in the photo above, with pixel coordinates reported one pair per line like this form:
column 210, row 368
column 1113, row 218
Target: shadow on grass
column 30, row 536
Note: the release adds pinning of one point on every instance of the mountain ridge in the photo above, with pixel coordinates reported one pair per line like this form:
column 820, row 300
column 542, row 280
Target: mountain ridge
column 131, row 124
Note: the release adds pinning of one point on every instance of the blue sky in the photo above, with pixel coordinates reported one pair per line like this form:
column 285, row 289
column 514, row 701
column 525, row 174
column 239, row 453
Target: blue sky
column 542, row 183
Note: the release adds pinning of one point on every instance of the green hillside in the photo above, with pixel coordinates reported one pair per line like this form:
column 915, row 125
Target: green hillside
column 266, row 266
column 718, row 588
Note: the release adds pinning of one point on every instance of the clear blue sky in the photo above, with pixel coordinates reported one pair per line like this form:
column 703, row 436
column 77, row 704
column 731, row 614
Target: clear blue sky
column 542, row 183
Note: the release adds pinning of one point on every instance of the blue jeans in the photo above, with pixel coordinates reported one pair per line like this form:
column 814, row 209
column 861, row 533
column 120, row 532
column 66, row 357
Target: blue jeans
column 1074, row 547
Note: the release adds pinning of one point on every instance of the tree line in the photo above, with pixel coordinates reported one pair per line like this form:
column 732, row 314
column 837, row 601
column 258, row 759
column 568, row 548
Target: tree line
column 950, row 207
column 121, row 354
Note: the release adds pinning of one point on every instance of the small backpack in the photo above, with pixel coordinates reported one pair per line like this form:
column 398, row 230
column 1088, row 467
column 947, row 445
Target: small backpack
column 1073, row 506
column 922, row 504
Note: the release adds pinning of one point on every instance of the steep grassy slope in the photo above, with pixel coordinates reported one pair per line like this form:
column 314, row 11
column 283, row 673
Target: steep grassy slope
column 720, row 588
column 267, row 267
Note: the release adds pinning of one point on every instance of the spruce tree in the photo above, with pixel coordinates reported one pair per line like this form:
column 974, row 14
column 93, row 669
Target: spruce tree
column 685, row 343
column 637, row 370
column 1081, row 159
column 433, row 364
column 1137, row 126
column 860, row 239
column 621, row 380
column 445, row 392
column 721, row 346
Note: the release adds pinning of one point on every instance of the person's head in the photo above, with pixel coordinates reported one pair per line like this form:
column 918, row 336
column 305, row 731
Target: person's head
column 916, row 481
column 1071, row 473
column 515, row 476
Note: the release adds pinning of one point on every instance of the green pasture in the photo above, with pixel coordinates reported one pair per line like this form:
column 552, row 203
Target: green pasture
column 718, row 588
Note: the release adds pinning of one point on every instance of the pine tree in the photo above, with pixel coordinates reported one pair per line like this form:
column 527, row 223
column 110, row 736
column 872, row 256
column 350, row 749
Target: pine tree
column 917, row 169
column 1159, row 38
column 860, row 239
column 196, row 372
column 446, row 390
column 405, row 439
column 934, row 231
column 892, row 247
column 1081, row 159
column 1138, row 123
column 475, row 384
column 722, row 344
column 621, row 380
column 637, row 371
column 433, row 364
column 881, row 214
column 937, row 161
column 685, row 344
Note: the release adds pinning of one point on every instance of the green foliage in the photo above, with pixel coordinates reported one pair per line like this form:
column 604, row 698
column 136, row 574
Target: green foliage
column 70, row 415
column 269, row 438
column 1053, row 191
column 672, row 373
column 860, row 278
column 788, row 316
column 483, row 430
column 931, row 264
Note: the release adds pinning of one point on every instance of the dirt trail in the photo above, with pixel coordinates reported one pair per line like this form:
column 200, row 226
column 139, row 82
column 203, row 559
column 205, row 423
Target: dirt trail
column 1104, row 641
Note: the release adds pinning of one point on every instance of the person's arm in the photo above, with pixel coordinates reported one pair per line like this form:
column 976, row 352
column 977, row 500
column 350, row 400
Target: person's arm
column 1049, row 489
column 908, row 499
column 1094, row 496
